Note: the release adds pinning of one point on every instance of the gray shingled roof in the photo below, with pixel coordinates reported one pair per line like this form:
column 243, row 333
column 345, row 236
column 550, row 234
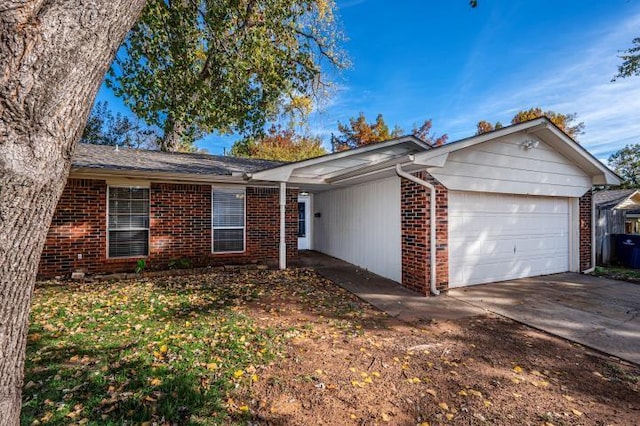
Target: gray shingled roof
column 107, row 158
column 613, row 197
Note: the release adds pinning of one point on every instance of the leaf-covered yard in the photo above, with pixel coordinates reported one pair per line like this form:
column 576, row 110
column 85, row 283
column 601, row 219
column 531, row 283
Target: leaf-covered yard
column 292, row 348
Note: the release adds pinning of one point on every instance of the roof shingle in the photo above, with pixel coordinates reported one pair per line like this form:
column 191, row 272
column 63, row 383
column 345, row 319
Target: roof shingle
column 613, row 197
column 106, row 157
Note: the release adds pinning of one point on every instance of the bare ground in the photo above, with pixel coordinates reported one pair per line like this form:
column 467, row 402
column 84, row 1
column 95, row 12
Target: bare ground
column 348, row 363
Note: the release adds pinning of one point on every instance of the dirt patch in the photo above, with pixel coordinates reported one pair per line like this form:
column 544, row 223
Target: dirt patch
column 347, row 363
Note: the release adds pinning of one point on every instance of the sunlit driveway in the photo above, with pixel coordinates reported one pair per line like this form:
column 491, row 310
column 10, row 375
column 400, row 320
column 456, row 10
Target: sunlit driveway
column 596, row 312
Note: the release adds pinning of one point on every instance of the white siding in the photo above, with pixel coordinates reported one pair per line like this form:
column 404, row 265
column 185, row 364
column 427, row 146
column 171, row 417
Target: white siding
column 361, row 225
column 497, row 237
column 505, row 166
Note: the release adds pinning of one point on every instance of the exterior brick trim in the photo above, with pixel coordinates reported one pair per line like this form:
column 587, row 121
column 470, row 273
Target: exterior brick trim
column 415, row 226
column 180, row 228
column 586, row 234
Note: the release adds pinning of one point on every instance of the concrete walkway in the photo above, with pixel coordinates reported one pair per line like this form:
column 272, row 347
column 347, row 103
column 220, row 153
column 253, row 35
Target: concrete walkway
column 385, row 294
column 596, row 312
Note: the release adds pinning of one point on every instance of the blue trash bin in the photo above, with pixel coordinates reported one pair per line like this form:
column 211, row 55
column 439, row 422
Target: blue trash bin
column 626, row 247
column 634, row 260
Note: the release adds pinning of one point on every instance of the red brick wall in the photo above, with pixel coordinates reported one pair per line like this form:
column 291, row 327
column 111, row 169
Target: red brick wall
column 416, row 250
column 586, row 245
column 78, row 227
column 180, row 220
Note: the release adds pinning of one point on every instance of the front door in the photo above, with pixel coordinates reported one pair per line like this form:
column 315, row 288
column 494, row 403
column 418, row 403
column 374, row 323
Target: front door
column 303, row 223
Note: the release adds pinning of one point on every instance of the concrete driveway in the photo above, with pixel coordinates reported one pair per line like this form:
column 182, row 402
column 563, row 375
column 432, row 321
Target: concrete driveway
column 596, row 312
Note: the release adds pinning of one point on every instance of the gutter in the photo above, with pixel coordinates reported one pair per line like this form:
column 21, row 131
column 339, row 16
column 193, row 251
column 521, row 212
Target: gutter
column 432, row 222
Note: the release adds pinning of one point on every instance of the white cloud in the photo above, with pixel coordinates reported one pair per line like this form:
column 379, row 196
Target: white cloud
column 581, row 83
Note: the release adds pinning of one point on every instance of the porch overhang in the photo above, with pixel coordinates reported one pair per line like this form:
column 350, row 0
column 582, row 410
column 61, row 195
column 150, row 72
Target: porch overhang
column 347, row 167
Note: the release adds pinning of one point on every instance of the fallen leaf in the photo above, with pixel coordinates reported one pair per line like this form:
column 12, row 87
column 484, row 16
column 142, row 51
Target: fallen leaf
column 444, row 406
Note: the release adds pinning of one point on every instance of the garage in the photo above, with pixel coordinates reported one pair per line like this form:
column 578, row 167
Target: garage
column 504, row 205
column 498, row 237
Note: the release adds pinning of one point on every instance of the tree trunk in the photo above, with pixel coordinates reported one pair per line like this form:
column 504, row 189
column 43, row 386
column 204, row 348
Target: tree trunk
column 53, row 57
column 173, row 134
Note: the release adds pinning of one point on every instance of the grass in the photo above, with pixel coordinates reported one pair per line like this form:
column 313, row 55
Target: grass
column 618, row 273
column 133, row 352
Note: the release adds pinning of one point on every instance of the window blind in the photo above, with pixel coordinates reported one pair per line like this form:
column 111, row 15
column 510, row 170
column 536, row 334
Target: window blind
column 128, row 223
column 228, row 220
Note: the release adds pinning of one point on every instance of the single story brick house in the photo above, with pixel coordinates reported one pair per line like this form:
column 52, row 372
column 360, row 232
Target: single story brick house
column 512, row 203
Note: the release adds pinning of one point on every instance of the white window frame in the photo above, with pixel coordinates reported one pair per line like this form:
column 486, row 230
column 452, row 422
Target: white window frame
column 244, row 222
column 109, row 186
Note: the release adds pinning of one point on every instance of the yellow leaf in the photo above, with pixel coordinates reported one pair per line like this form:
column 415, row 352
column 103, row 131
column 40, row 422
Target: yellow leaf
column 517, row 395
column 475, row 393
column 368, row 380
column 164, row 349
column 375, row 374
column 238, row 373
column 487, row 403
column 444, row 406
column 462, row 393
column 352, row 416
column 576, row 412
column 318, row 372
column 244, row 408
column 155, row 382
column 363, row 374
column 568, row 398
column 254, row 377
column 386, row 417
column 517, row 369
column 449, row 416
column 353, row 370
column 212, row 366
column 423, row 424
column 515, row 380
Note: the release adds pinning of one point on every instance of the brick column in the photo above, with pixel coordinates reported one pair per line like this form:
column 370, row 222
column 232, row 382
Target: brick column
column 416, row 250
column 586, row 219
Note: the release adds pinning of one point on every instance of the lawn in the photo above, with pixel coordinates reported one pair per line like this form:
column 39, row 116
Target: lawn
column 270, row 347
column 618, row 273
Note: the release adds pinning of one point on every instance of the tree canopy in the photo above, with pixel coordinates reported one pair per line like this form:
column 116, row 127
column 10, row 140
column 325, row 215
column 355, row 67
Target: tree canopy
column 626, row 163
column 359, row 132
column 202, row 66
column 566, row 122
column 630, row 61
column 279, row 144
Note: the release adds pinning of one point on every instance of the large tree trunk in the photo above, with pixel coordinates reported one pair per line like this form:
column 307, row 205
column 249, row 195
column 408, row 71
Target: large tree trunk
column 53, row 57
column 173, row 135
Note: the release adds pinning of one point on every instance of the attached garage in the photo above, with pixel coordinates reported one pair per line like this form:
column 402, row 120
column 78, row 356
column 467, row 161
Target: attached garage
column 497, row 237
column 509, row 204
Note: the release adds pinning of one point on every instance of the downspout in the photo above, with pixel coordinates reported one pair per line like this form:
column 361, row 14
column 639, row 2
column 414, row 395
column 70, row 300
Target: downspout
column 283, row 235
column 432, row 223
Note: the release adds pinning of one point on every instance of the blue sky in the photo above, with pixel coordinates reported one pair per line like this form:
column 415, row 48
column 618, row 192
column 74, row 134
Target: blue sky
column 413, row 60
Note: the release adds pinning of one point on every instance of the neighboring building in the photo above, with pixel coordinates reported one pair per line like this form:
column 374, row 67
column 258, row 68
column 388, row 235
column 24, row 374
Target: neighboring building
column 508, row 204
column 617, row 212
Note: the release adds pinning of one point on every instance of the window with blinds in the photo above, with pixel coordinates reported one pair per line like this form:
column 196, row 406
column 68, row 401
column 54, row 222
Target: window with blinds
column 128, row 228
column 228, row 220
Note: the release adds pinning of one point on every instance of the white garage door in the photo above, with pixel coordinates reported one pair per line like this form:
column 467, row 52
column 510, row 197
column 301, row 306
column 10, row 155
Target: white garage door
column 497, row 237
